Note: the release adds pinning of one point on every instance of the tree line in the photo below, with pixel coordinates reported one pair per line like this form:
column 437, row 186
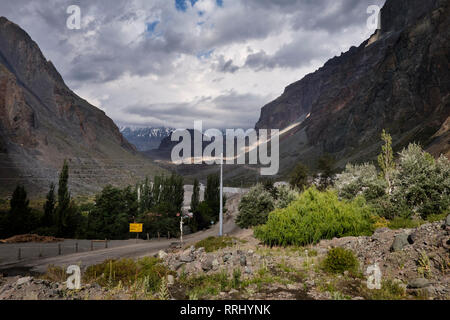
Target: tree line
column 157, row 204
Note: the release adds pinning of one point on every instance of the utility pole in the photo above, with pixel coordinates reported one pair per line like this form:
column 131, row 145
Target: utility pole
column 221, row 197
column 181, row 228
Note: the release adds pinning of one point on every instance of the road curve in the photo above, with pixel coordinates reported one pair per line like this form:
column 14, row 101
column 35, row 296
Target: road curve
column 138, row 250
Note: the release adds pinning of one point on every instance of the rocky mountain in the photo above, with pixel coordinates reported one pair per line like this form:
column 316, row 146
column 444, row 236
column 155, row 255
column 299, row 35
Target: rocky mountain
column 43, row 122
column 146, row 139
column 397, row 80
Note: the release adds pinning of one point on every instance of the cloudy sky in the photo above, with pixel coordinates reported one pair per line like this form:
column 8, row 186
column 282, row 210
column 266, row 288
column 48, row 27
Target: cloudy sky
column 170, row 62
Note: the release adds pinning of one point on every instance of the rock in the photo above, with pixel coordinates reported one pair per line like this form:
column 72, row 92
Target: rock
column 382, row 230
column 431, row 291
column 233, row 291
column 412, row 238
column 177, row 265
column 207, row 264
column 193, row 267
column 23, row 280
column 400, row 241
column 447, row 221
column 170, row 280
column 400, row 284
column 250, row 252
column 291, row 287
column 186, row 258
column 226, row 257
column 175, row 245
column 247, row 270
column 215, row 264
column 200, row 250
column 162, row 255
column 418, row 283
column 243, row 260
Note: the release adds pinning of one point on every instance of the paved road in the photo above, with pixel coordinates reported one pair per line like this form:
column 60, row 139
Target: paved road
column 139, row 250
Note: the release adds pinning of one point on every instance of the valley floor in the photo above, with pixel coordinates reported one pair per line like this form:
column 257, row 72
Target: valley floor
column 414, row 264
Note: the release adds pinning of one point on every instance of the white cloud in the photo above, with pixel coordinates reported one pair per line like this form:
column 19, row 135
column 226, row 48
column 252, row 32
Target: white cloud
column 247, row 49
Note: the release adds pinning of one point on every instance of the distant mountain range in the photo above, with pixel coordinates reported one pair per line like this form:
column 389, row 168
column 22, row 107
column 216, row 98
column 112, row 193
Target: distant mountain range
column 398, row 80
column 43, row 122
column 146, row 139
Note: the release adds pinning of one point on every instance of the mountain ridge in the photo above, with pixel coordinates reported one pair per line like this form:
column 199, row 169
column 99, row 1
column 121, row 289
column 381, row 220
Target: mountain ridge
column 395, row 80
column 43, row 122
column 145, row 138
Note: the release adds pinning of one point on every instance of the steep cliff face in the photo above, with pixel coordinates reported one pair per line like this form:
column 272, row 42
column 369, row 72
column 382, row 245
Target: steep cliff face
column 42, row 122
column 398, row 82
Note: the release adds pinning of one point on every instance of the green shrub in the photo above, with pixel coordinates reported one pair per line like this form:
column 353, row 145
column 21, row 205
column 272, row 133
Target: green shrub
column 390, row 290
column 299, row 177
column 390, row 207
column 404, row 223
column 212, row 244
column 203, row 286
column 437, row 217
column 422, row 182
column 255, row 207
column 128, row 271
column 315, row 216
column 339, row 260
column 285, row 196
column 360, row 180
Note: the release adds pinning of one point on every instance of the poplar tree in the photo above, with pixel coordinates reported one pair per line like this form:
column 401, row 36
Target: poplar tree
column 195, row 199
column 386, row 160
column 62, row 210
column 19, row 212
column 49, row 207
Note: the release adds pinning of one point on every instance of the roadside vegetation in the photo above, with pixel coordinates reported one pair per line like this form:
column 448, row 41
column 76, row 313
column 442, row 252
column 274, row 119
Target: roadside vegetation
column 157, row 204
column 212, row 244
column 314, row 216
column 396, row 192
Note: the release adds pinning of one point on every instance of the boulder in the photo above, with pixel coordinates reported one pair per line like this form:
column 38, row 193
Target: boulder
column 24, row 280
column 170, row 280
column 177, row 265
column 418, row 283
column 226, row 257
column 162, row 255
column 412, row 238
column 243, row 260
column 215, row 264
column 207, row 264
column 400, row 242
column 186, row 258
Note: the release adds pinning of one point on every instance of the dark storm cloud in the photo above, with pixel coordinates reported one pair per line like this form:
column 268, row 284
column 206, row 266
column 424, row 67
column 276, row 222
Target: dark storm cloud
column 151, row 38
column 103, row 58
column 226, row 65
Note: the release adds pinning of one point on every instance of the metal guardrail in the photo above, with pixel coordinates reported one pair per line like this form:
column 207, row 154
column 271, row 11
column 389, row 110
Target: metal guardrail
column 75, row 248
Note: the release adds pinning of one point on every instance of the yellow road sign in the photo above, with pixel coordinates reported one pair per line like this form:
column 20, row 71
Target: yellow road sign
column 136, row 227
